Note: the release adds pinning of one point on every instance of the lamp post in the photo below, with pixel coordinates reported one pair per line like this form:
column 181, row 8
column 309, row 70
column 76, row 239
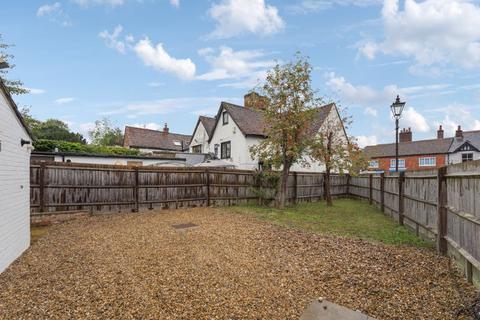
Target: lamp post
column 397, row 108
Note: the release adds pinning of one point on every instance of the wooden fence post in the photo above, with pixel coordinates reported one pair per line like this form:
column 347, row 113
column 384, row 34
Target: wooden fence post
column 208, row 187
column 382, row 192
column 370, row 189
column 347, row 189
column 401, row 191
column 295, row 191
column 42, row 187
column 136, row 189
column 441, row 210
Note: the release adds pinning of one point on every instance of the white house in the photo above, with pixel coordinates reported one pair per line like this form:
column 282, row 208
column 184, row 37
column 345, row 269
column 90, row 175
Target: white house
column 15, row 147
column 201, row 135
column 238, row 128
column 465, row 146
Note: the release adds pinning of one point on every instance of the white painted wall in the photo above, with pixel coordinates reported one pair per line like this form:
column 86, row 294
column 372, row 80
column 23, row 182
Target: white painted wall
column 457, row 156
column 200, row 136
column 14, row 186
column 116, row 161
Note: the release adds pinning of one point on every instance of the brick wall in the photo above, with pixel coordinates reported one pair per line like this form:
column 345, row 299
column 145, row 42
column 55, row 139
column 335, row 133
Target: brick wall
column 411, row 162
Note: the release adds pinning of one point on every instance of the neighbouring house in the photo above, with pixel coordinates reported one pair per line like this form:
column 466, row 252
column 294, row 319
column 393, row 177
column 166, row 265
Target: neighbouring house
column 161, row 144
column 15, row 148
column 147, row 140
column 424, row 154
column 110, row 159
column 201, row 134
column 237, row 128
column 465, row 146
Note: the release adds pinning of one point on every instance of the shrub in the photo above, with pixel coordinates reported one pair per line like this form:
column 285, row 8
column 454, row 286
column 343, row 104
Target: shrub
column 266, row 185
column 75, row 147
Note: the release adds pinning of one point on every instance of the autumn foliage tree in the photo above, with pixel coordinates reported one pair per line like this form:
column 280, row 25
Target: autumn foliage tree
column 338, row 153
column 287, row 108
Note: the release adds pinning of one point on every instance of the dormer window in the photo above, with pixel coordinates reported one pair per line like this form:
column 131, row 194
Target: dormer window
column 225, row 117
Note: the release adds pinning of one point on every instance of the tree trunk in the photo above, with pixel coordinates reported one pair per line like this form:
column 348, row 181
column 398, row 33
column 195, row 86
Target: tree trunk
column 328, row 158
column 282, row 188
column 326, row 187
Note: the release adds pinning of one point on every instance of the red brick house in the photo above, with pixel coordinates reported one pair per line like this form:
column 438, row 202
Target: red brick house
column 413, row 155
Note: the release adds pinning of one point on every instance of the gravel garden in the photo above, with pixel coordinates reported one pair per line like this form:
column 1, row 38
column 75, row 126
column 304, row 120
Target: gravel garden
column 235, row 263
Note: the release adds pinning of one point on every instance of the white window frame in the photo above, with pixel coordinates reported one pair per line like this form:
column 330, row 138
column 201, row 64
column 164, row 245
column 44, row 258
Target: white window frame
column 373, row 164
column 467, row 154
column 401, row 163
column 427, row 162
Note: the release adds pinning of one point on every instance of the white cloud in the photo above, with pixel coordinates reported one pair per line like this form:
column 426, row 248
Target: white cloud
column 175, row 3
column 35, row 91
column 364, row 141
column 367, row 96
column 247, row 67
column 155, row 84
column 54, row 12
column 150, row 125
column 112, row 39
column 371, row 111
column 160, row 60
column 454, row 115
column 167, row 106
column 432, row 32
column 235, row 17
column 309, row 6
column 87, row 3
column 412, row 118
column 60, row 101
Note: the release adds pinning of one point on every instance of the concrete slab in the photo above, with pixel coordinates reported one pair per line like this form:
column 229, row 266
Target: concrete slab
column 325, row 310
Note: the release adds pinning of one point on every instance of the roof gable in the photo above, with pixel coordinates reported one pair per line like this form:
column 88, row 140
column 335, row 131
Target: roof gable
column 154, row 139
column 207, row 123
column 251, row 122
column 14, row 108
column 466, row 146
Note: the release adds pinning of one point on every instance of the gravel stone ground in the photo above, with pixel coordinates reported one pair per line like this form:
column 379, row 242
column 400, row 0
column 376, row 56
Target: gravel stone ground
column 136, row 266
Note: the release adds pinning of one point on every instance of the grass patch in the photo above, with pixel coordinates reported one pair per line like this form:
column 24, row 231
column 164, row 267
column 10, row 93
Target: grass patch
column 36, row 233
column 347, row 217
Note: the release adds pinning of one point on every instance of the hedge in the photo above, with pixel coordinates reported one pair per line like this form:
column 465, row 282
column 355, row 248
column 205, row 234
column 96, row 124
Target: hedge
column 64, row 146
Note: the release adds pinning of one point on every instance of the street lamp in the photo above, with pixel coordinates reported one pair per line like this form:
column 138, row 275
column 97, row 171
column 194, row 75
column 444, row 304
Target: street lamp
column 397, row 108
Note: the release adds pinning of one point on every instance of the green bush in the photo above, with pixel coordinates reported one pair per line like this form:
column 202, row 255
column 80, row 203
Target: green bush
column 64, row 146
column 266, row 184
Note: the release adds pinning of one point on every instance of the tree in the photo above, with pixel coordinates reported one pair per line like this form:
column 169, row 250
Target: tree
column 338, row 153
column 53, row 129
column 13, row 86
column 286, row 102
column 104, row 134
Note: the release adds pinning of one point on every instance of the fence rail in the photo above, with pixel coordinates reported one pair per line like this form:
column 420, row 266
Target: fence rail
column 440, row 205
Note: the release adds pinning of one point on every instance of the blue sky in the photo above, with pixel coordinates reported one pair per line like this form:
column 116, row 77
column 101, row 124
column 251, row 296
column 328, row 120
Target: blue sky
column 147, row 62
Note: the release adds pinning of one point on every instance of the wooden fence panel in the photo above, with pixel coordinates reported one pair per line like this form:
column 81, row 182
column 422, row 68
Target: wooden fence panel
column 391, row 195
column 359, row 186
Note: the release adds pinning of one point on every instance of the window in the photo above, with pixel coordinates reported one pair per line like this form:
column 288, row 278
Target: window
column 225, row 117
column 225, row 150
column 197, row 148
column 427, row 162
column 373, row 164
column 467, row 157
column 401, row 163
column 216, row 151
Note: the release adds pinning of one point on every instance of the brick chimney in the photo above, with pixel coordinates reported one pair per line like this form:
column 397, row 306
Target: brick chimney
column 165, row 129
column 405, row 135
column 253, row 100
column 459, row 133
column 440, row 132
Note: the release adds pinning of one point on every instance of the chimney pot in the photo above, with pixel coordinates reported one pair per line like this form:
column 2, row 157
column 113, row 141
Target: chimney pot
column 459, row 133
column 405, row 135
column 440, row 132
column 165, row 128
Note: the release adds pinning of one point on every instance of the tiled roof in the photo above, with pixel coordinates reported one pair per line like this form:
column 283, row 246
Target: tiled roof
column 251, row 122
column 154, row 139
column 472, row 137
column 426, row 147
column 208, row 124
